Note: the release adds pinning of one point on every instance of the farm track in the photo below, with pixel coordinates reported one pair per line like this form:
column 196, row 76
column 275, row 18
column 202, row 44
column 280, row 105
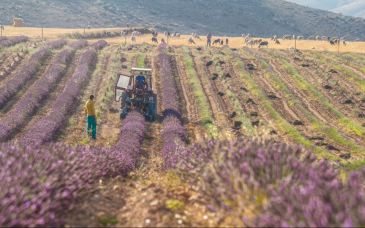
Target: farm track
column 46, row 104
column 193, row 126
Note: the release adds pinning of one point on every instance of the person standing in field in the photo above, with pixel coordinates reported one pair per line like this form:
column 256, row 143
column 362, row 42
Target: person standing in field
column 91, row 117
column 209, row 39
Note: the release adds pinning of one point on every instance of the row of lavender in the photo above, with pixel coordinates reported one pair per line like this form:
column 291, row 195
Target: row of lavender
column 39, row 183
column 31, row 100
column 12, row 40
column 173, row 132
column 45, row 128
column 267, row 184
column 27, row 71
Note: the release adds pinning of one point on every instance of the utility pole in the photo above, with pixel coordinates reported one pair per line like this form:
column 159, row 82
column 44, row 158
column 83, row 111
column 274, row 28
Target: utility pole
column 1, row 30
column 338, row 45
column 295, row 42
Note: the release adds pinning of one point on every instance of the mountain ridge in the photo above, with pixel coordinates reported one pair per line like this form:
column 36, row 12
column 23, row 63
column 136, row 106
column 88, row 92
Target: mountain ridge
column 233, row 17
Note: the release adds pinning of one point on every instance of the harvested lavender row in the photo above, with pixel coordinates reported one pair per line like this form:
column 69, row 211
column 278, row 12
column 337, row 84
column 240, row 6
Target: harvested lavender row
column 10, row 41
column 45, row 128
column 170, row 101
column 23, row 75
column 281, row 185
column 173, row 133
column 100, row 44
column 31, row 100
column 56, row 44
column 130, row 140
column 41, row 182
column 78, row 44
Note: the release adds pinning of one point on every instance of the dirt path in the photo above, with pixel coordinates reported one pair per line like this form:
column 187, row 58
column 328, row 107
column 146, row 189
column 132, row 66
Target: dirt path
column 193, row 125
column 216, row 102
column 108, row 120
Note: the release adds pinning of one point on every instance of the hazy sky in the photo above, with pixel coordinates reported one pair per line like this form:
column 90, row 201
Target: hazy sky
column 346, row 7
column 322, row 4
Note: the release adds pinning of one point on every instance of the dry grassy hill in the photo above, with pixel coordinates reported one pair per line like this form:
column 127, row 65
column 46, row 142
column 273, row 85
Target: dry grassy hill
column 233, row 17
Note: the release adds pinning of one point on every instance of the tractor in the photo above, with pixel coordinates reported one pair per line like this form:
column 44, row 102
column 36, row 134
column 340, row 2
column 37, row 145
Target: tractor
column 135, row 93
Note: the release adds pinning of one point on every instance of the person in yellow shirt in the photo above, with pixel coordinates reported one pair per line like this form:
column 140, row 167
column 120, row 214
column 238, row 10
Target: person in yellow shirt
column 91, row 117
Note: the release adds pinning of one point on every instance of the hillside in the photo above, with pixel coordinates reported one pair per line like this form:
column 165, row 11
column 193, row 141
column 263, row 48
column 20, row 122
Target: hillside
column 259, row 17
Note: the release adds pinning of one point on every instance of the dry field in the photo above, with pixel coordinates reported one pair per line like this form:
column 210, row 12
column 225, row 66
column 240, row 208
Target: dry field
column 234, row 42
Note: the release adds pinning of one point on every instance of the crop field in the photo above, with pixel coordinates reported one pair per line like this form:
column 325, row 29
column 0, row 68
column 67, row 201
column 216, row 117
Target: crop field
column 244, row 136
column 234, row 42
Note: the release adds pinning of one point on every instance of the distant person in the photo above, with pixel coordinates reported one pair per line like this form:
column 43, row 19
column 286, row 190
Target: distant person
column 91, row 117
column 227, row 41
column 209, row 39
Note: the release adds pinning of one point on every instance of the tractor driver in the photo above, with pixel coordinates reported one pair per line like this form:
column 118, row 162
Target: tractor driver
column 141, row 82
column 127, row 97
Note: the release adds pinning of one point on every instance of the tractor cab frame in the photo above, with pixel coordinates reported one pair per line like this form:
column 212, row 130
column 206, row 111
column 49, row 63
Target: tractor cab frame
column 134, row 92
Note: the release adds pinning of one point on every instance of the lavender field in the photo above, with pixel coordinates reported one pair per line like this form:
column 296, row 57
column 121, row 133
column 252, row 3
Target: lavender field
column 244, row 137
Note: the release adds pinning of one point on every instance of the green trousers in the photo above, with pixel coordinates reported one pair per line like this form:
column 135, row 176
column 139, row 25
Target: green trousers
column 91, row 126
